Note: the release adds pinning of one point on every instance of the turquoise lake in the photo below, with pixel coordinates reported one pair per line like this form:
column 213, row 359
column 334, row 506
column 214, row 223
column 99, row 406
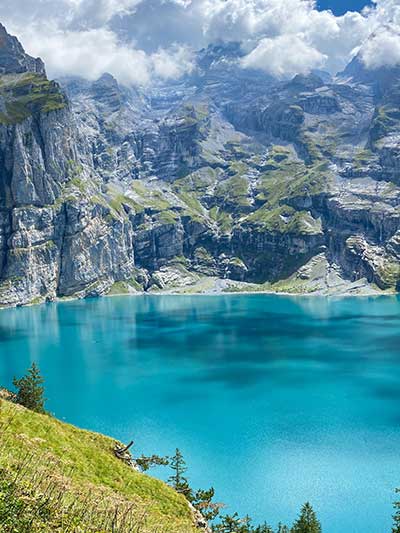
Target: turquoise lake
column 273, row 400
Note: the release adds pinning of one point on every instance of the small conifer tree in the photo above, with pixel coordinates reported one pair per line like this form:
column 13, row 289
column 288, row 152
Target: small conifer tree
column 30, row 390
column 230, row 524
column 307, row 521
column 262, row 528
column 203, row 502
column 396, row 517
column 282, row 528
column 177, row 480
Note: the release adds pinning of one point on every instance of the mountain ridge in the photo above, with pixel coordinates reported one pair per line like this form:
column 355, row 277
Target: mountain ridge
column 227, row 180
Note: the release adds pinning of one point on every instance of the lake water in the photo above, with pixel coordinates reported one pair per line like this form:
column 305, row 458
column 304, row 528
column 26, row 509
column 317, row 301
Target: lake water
column 273, row 400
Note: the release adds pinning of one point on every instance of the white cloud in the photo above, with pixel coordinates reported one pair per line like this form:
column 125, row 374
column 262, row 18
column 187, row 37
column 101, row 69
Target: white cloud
column 91, row 13
column 382, row 49
column 136, row 40
column 293, row 27
column 91, row 52
column 283, row 56
column 172, row 63
column 385, row 12
column 88, row 54
column 238, row 20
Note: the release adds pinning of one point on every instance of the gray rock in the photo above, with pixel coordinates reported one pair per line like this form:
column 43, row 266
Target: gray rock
column 227, row 174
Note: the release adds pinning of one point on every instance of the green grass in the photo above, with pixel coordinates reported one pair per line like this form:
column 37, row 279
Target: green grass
column 283, row 183
column 35, row 447
column 198, row 181
column 389, row 274
column 233, row 191
column 284, row 219
column 150, row 199
column 385, row 122
column 118, row 202
column 222, row 218
column 125, row 287
column 28, row 94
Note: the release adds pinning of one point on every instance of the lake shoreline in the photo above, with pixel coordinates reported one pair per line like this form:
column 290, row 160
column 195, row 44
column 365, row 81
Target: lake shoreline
column 220, row 287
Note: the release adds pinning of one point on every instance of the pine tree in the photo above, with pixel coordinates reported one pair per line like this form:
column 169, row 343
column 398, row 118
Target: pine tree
column 282, row 528
column 231, row 524
column 178, row 481
column 203, row 501
column 396, row 516
column 307, row 521
column 263, row 528
column 30, row 390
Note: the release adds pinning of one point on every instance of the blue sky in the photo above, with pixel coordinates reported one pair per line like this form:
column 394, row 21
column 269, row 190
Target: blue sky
column 341, row 6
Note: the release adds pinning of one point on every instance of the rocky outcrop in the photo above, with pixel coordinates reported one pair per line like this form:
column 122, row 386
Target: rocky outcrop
column 228, row 174
column 13, row 58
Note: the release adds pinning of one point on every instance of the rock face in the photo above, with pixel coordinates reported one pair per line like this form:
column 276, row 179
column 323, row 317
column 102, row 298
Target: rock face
column 225, row 174
column 13, row 58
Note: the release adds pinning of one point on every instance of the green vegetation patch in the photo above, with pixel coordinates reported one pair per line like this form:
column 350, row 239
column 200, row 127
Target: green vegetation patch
column 197, row 182
column 389, row 274
column 168, row 216
column 149, row 198
column 125, row 287
column 234, row 191
column 385, row 121
column 120, row 201
column 74, row 478
column 29, row 94
column 284, row 219
column 223, row 219
column 288, row 179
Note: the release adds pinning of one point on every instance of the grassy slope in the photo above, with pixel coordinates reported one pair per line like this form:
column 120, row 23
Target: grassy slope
column 26, row 94
column 84, row 462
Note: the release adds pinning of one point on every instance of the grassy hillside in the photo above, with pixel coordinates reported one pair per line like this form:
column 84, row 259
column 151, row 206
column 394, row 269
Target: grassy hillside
column 57, row 478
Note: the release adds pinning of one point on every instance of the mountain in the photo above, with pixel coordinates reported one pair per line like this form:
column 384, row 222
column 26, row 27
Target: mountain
column 225, row 180
column 13, row 58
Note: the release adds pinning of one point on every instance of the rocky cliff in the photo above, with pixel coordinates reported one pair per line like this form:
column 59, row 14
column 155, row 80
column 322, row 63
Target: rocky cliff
column 228, row 179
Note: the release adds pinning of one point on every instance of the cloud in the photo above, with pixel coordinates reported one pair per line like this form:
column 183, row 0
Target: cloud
column 237, row 20
column 89, row 54
column 280, row 35
column 139, row 40
column 89, row 13
column 382, row 49
column 385, row 12
column 172, row 63
column 283, row 56
column 293, row 27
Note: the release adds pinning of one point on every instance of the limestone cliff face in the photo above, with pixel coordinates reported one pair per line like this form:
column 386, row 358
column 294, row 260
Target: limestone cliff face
column 55, row 239
column 13, row 58
column 228, row 174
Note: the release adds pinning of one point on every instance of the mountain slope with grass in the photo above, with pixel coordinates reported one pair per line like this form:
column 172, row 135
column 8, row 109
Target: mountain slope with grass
column 58, row 478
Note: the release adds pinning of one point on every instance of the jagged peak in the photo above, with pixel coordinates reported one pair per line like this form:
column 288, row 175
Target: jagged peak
column 219, row 51
column 305, row 82
column 14, row 59
column 106, row 79
column 359, row 71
